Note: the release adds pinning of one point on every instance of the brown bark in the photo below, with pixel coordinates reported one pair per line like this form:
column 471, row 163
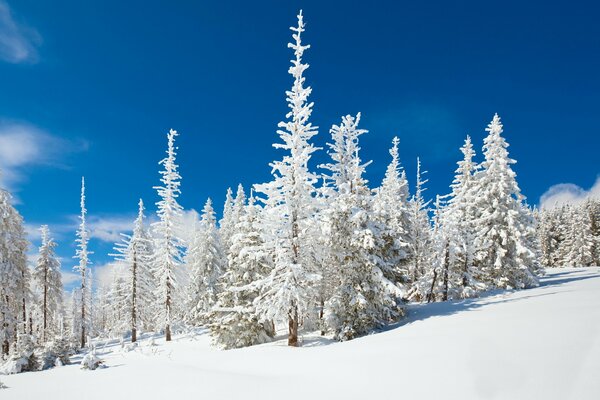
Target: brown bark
column 293, row 327
column 446, row 267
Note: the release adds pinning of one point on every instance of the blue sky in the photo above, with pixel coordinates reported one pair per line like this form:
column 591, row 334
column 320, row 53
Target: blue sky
column 91, row 88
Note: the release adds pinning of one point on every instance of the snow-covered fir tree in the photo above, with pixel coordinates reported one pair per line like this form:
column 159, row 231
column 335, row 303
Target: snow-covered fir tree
column 391, row 209
column 235, row 321
column 14, row 274
column 290, row 207
column 226, row 223
column 503, row 251
column 459, row 224
column 48, row 283
column 134, row 260
column 205, row 261
column 362, row 297
column 168, row 245
column 579, row 241
column 82, row 254
column 420, row 235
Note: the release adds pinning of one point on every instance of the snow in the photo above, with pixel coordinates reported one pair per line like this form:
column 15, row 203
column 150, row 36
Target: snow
column 540, row 343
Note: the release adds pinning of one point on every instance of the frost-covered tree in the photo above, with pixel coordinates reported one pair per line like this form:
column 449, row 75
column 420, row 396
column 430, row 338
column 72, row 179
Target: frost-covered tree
column 134, row 258
column 82, row 254
column 391, row 209
column 362, row 297
column 205, row 261
column 235, row 321
column 592, row 207
column 579, row 242
column 459, row 224
column 420, row 234
column 14, row 273
column 227, row 222
column 168, row 244
column 504, row 252
column 290, row 207
column 48, row 282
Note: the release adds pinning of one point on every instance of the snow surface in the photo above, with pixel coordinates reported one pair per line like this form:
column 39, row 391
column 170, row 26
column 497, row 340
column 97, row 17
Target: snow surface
column 541, row 343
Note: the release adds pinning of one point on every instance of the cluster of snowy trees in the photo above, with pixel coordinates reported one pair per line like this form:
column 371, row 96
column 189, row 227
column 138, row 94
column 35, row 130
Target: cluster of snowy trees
column 570, row 235
column 315, row 248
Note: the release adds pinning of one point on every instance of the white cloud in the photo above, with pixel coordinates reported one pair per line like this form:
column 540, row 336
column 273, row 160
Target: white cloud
column 109, row 228
column 104, row 274
column 18, row 42
column 568, row 193
column 23, row 145
column 68, row 278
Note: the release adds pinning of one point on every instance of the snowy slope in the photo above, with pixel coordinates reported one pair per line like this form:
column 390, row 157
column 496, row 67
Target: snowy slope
column 541, row 343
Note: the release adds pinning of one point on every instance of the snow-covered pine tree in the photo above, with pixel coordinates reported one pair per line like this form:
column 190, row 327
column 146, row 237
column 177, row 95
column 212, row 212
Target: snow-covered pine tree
column 14, row 273
column 592, row 206
column 290, row 207
column 459, row 224
column 48, row 282
column 390, row 208
column 205, row 261
column 504, row 252
column 226, row 223
column 135, row 257
column 579, row 239
column 363, row 298
column 82, row 254
column 235, row 322
column 168, row 244
column 420, row 234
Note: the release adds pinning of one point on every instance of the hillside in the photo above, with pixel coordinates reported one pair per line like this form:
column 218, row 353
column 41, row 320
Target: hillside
column 542, row 343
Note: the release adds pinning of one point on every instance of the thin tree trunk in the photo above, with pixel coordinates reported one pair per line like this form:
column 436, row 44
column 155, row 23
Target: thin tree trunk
column 45, row 304
column 168, row 311
column 446, row 266
column 430, row 295
column 134, row 300
column 293, row 327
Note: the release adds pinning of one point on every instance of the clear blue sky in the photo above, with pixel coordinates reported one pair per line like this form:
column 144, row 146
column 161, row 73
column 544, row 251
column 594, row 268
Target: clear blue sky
column 91, row 88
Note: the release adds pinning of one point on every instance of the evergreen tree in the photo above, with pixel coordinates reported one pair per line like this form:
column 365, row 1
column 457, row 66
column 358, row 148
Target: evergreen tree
column 363, row 298
column 236, row 322
column 391, row 209
column 504, row 253
column 134, row 254
column 82, row 254
column 421, row 241
column 168, row 245
column 580, row 240
column 14, row 273
column 290, row 207
column 205, row 260
column 48, row 282
column 227, row 223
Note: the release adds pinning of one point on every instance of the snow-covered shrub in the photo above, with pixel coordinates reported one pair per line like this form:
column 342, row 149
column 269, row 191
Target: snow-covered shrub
column 3, row 386
column 91, row 361
column 23, row 357
column 55, row 353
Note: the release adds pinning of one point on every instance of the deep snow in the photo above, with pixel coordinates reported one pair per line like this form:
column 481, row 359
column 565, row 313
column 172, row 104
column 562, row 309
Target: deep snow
column 541, row 343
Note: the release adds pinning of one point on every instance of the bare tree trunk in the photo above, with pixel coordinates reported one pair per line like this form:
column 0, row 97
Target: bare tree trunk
column 45, row 304
column 293, row 326
column 168, row 311
column 446, row 267
column 430, row 294
column 134, row 300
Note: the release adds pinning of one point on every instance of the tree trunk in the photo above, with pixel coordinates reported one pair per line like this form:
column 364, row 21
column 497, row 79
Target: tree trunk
column 168, row 313
column 45, row 304
column 446, row 266
column 293, row 327
column 134, row 300
column 430, row 294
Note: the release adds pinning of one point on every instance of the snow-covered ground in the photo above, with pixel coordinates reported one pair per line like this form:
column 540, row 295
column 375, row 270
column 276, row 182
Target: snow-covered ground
column 541, row 343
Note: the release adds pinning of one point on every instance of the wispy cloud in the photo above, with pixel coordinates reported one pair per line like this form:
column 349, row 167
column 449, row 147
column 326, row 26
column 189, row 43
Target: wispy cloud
column 23, row 145
column 18, row 42
column 568, row 193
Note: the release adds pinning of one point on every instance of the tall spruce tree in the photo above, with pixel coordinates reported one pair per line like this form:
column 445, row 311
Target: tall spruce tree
column 82, row 254
column 290, row 207
column 503, row 252
column 48, row 282
column 168, row 244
